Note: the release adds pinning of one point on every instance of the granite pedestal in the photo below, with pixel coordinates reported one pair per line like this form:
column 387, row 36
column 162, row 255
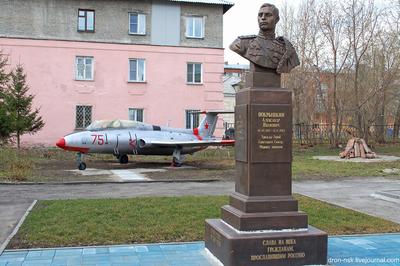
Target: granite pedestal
column 262, row 224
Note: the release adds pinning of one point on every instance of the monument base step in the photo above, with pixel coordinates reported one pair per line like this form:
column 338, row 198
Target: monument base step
column 250, row 204
column 243, row 221
column 279, row 248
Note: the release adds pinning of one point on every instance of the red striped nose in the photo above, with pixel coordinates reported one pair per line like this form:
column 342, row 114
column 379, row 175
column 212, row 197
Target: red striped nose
column 61, row 143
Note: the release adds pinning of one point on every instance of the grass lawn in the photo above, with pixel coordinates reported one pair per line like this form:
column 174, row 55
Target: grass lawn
column 47, row 165
column 304, row 166
column 160, row 219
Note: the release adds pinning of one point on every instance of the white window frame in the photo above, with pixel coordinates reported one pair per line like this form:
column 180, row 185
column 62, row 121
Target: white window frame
column 141, row 23
column 137, row 72
column 193, row 82
column 192, row 117
column 135, row 114
column 194, row 18
column 84, row 68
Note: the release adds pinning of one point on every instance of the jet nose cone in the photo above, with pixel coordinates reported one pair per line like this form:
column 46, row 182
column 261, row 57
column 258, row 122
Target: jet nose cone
column 61, row 143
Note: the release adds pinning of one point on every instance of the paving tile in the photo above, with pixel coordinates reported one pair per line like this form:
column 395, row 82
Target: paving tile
column 102, row 250
column 34, row 253
column 124, row 259
column 12, row 259
column 125, row 250
column 11, row 256
column 59, row 264
column 155, row 263
column 37, row 263
column 174, row 247
column 195, row 246
column 69, row 252
column 141, row 249
column 126, row 264
column 152, row 248
column 75, row 260
column 89, row 251
column 193, row 254
column 14, row 253
column 14, row 264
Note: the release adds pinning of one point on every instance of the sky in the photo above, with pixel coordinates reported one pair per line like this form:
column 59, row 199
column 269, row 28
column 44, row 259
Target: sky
column 241, row 19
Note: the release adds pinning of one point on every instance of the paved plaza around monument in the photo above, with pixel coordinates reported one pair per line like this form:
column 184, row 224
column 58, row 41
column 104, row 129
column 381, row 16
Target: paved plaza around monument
column 343, row 251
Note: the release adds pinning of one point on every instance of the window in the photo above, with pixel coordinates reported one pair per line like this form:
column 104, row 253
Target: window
column 192, row 120
column 137, row 23
column 136, row 114
column 83, row 116
column 86, row 20
column 321, row 97
column 194, row 27
column 136, row 70
column 194, row 73
column 84, row 68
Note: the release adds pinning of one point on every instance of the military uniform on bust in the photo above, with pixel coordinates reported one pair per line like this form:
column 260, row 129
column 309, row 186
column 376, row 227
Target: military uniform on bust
column 267, row 51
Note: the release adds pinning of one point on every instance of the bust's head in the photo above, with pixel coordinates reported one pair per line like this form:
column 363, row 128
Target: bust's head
column 268, row 17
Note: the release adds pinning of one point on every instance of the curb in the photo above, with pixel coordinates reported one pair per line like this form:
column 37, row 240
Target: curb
column 110, row 245
column 112, row 182
column 14, row 232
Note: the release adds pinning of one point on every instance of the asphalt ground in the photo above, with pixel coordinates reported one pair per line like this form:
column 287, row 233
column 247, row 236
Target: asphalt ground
column 354, row 193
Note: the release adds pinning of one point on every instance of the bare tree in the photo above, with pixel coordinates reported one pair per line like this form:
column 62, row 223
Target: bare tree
column 361, row 28
column 394, row 40
column 299, row 25
column 332, row 24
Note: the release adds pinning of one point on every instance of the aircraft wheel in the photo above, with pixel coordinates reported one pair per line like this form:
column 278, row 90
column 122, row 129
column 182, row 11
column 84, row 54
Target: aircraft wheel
column 123, row 159
column 82, row 166
column 175, row 164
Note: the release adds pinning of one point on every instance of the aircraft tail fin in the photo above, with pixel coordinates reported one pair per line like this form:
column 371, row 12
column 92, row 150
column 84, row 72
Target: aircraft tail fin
column 208, row 124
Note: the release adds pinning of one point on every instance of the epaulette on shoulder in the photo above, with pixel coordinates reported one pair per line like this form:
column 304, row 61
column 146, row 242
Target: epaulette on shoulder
column 247, row 36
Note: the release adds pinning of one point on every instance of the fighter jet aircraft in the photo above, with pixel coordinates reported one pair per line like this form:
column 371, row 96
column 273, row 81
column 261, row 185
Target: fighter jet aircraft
column 123, row 137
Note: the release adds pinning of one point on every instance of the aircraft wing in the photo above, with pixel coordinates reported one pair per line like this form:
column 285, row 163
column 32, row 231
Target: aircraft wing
column 192, row 143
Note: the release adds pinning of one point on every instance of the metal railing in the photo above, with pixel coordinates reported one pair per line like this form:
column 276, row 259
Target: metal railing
column 320, row 133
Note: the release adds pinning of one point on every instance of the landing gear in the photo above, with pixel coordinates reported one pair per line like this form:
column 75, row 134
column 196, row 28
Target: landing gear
column 177, row 158
column 79, row 160
column 82, row 166
column 123, row 159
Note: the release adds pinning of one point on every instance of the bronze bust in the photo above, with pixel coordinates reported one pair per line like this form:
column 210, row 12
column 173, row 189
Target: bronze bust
column 264, row 49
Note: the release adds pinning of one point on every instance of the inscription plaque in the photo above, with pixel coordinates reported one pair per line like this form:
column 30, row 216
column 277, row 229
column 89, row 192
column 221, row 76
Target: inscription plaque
column 271, row 133
column 241, row 132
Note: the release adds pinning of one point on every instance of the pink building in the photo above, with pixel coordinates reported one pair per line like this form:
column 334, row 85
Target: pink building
column 151, row 61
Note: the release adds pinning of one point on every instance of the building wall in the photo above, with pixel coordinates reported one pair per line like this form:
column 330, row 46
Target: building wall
column 229, row 105
column 50, row 68
column 166, row 24
column 213, row 21
column 57, row 19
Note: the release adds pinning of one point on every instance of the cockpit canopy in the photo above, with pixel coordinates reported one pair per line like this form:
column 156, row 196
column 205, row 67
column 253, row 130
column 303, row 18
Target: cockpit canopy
column 114, row 124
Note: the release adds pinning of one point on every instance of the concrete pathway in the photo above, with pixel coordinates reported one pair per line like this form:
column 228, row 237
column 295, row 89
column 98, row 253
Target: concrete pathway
column 379, row 158
column 357, row 194
column 342, row 251
column 122, row 175
column 10, row 214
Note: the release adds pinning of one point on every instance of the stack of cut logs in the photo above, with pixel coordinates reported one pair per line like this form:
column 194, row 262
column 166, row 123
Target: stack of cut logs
column 357, row 148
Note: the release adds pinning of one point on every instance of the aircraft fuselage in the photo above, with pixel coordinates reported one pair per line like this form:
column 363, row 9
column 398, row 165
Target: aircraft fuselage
column 126, row 141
